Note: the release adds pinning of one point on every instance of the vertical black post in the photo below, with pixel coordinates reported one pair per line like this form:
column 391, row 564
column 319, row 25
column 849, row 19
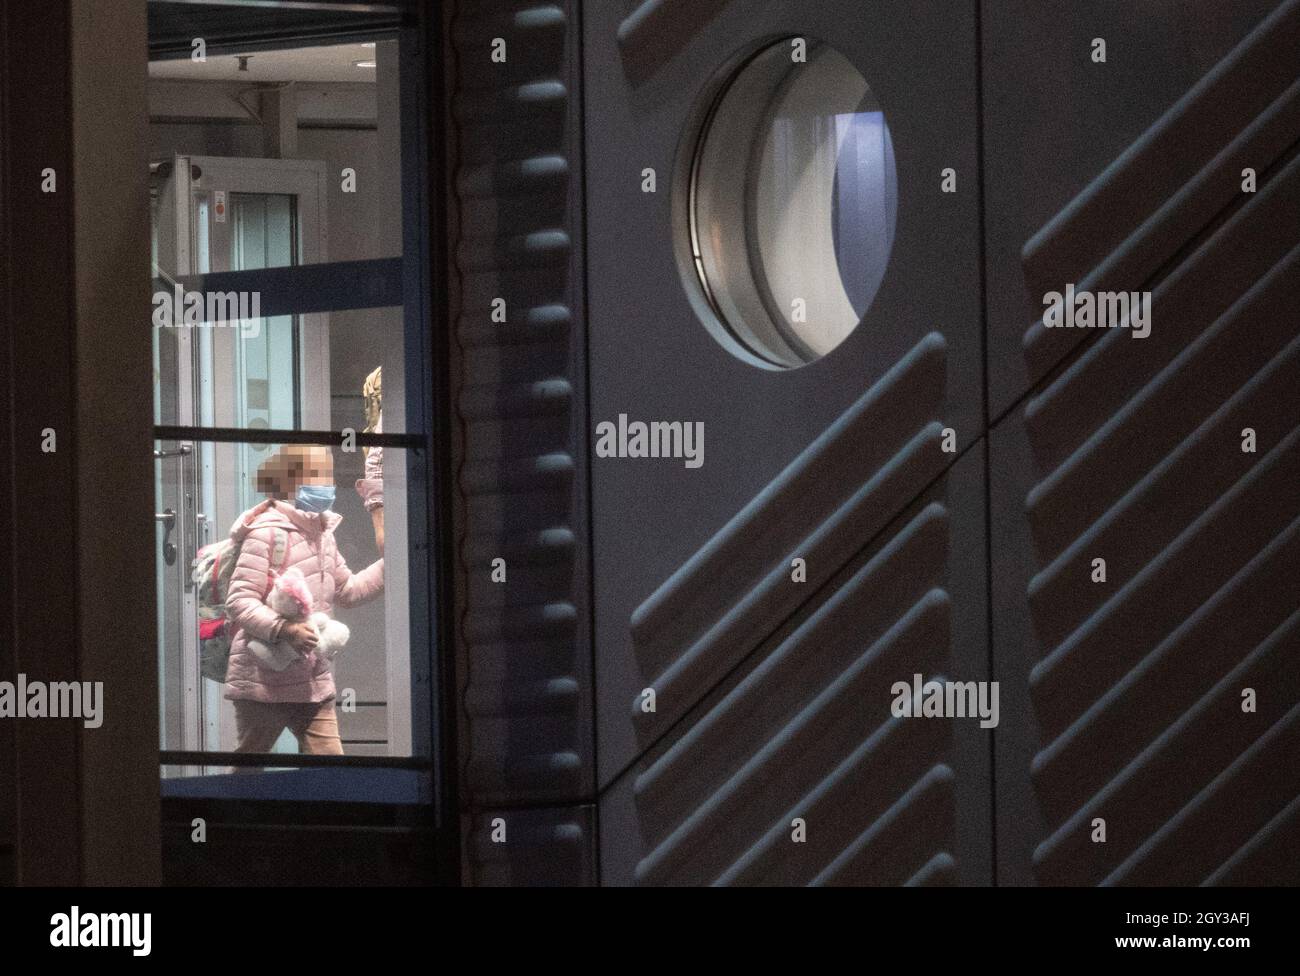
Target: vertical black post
column 428, row 408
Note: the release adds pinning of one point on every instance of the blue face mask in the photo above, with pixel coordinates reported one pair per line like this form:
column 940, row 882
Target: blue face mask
column 315, row 498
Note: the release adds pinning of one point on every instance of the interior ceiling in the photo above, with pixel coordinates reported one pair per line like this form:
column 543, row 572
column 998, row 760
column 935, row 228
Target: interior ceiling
column 258, row 26
column 331, row 63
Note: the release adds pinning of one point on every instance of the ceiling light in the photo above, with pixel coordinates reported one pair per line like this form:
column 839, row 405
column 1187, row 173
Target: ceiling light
column 364, row 64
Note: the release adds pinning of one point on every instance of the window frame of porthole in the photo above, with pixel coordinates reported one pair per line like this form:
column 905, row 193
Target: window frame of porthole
column 737, row 335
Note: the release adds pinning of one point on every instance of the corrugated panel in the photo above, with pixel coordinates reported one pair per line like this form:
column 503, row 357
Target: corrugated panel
column 542, row 847
column 1126, row 226
column 796, row 738
column 655, row 30
column 838, row 493
column 1137, row 453
column 525, row 665
column 801, row 727
column 1053, row 119
column 772, row 697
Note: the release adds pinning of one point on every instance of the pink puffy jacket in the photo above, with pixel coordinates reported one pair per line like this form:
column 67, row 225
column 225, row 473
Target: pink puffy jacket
column 311, row 548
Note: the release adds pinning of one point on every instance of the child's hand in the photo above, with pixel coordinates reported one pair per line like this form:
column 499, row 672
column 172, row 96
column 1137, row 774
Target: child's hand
column 301, row 635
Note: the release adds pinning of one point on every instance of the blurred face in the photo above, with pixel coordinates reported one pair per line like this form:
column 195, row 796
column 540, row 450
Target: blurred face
column 316, row 468
column 295, row 466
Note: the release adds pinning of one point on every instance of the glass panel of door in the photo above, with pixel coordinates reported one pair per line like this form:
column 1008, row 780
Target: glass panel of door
column 243, row 370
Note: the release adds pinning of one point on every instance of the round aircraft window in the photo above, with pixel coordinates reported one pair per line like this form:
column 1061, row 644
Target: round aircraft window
column 792, row 203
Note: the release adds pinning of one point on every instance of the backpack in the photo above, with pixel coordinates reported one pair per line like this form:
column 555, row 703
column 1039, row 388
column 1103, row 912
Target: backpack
column 213, row 566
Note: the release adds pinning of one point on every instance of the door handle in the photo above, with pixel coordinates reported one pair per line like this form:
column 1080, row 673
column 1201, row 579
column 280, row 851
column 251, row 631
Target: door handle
column 182, row 451
column 189, row 505
column 168, row 518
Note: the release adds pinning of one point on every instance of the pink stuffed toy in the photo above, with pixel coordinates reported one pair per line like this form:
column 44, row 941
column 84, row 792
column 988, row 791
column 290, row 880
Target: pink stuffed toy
column 291, row 598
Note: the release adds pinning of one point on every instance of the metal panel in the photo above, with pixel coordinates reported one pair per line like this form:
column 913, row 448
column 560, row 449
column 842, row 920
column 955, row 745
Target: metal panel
column 538, row 847
column 1054, row 120
column 803, row 729
column 652, row 358
column 771, row 695
column 1127, row 693
column 1120, row 700
column 521, row 417
column 262, row 842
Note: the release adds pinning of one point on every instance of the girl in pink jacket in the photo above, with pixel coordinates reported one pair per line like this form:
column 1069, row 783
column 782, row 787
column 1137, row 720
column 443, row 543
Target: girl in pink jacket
column 300, row 482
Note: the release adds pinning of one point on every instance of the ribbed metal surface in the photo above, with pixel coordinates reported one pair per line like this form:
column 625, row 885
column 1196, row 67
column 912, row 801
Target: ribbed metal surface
column 525, row 663
column 522, row 848
column 836, row 495
column 1124, row 227
column 1138, row 460
column 771, row 696
column 799, row 737
column 1122, row 699
column 802, row 729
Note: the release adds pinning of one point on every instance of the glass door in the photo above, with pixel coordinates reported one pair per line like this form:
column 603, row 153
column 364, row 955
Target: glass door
column 220, row 362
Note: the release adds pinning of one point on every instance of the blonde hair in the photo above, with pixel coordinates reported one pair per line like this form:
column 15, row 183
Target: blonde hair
column 373, row 401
